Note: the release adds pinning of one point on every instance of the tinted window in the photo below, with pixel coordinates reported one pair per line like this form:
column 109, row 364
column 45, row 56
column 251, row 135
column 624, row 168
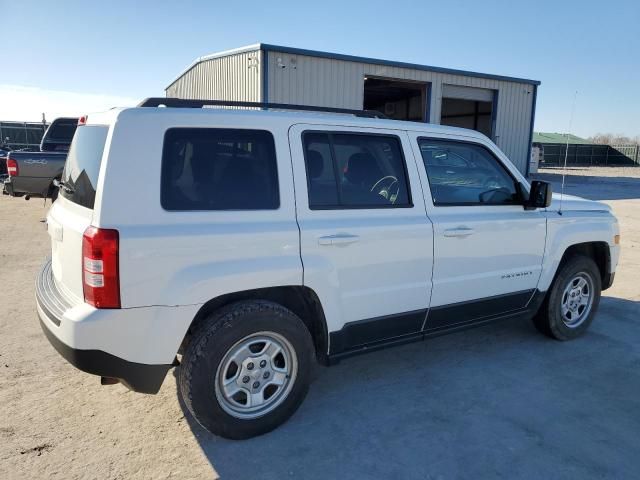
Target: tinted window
column 62, row 130
column 81, row 169
column 466, row 174
column 321, row 179
column 355, row 171
column 59, row 136
column 219, row 169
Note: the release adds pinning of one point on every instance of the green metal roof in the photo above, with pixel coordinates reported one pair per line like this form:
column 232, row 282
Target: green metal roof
column 543, row 137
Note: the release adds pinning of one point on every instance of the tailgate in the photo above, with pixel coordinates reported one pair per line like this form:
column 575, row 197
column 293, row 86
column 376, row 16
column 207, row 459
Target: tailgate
column 39, row 164
column 66, row 224
column 72, row 213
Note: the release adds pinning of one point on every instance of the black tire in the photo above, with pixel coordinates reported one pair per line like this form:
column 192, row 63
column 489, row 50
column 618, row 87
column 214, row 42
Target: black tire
column 549, row 319
column 208, row 348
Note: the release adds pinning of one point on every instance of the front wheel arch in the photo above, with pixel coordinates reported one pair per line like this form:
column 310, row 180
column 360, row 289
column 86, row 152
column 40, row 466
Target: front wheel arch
column 598, row 251
column 548, row 319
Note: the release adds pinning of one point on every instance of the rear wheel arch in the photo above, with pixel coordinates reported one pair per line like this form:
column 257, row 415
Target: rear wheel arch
column 262, row 355
column 301, row 300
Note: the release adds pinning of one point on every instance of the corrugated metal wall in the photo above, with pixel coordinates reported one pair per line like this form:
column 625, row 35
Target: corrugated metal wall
column 231, row 77
column 311, row 80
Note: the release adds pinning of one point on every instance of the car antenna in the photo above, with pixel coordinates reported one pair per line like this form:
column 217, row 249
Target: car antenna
column 566, row 152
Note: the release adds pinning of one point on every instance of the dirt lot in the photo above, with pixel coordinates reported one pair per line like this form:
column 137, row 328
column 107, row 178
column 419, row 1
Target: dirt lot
column 495, row 402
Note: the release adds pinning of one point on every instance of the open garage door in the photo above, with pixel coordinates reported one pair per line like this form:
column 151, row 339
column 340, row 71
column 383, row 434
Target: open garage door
column 397, row 99
column 468, row 107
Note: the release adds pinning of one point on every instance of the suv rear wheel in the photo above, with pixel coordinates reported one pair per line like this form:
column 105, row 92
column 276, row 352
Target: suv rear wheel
column 247, row 369
column 572, row 301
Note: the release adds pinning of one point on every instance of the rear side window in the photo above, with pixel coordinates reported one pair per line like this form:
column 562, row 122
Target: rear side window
column 219, row 169
column 352, row 170
column 80, row 175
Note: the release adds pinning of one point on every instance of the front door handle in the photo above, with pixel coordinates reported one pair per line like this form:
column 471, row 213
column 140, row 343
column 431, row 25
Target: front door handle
column 458, row 232
column 338, row 239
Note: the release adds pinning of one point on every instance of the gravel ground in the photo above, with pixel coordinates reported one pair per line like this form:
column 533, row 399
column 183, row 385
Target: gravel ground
column 499, row 401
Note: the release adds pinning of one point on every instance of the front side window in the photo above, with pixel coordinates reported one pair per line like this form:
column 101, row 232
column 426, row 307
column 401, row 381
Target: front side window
column 219, row 169
column 462, row 173
column 351, row 170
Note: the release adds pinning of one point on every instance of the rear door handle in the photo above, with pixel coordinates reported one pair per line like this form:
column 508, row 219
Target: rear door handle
column 458, row 232
column 338, row 239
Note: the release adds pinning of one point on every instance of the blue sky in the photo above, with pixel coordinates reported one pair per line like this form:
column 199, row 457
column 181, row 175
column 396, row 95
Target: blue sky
column 66, row 55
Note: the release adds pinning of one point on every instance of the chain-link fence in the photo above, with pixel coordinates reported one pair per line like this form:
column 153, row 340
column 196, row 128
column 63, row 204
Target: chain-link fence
column 22, row 134
column 554, row 154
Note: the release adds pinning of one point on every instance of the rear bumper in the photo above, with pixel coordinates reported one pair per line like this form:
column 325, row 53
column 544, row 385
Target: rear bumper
column 52, row 306
column 135, row 376
column 32, row 186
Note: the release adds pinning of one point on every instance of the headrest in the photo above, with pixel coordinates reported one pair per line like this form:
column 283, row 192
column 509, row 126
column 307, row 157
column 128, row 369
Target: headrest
column 362, row 168
column 315, row 163
column 201, row 166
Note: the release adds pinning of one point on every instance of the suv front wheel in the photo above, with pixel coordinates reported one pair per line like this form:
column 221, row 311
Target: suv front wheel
column 572, row 301
column 247, row 369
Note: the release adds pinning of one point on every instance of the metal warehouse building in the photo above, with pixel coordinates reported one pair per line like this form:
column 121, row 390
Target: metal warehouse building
column 503, row 108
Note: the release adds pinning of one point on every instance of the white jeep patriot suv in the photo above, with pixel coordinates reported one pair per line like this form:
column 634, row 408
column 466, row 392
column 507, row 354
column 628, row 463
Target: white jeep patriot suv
column 244, row 244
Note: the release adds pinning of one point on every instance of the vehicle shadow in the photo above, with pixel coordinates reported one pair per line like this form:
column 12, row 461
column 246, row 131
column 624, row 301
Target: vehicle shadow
column 501, row 400
column 594, row 187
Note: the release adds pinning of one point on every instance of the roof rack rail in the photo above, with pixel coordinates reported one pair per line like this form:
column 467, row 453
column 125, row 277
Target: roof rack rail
column 193, row 103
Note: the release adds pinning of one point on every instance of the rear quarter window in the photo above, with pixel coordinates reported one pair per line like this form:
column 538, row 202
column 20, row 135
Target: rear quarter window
column 80, row 174
column 219, row 169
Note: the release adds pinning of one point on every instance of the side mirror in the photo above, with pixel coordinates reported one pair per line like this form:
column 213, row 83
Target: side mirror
column 539, row 195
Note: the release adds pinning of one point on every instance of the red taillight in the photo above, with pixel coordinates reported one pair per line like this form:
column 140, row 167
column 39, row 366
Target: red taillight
column 83, row 120
column 100, row 277
column 12, row 167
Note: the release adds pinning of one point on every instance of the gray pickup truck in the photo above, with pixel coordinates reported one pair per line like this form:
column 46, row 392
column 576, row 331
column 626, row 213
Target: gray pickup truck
column 31, row 174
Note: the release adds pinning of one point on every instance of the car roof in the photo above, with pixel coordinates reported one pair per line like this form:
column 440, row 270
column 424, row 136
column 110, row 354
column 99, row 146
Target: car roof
column 290, row 117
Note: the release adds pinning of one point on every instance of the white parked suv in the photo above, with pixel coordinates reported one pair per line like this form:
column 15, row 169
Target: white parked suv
column 244, row 245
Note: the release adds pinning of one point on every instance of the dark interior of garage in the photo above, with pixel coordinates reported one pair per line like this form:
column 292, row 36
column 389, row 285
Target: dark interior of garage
column 397, row 99
column 472, row 114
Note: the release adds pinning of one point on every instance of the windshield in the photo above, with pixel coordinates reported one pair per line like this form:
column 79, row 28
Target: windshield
column 80, row 175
